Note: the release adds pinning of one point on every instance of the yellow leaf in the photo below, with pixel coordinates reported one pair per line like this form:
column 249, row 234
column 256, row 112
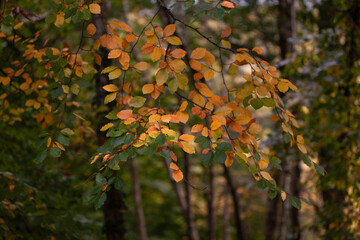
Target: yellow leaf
column 233, row 69
column 226, row 44
column 108, row 69
column 114, row 74
column 141, row 66
column 106, row 127
column 91, row 29
column 95, row 158
column 283, row 195
column 209, row 58
column 154, row 118
column 183, row 106
column 174, row 40
column 209, row 74
column 148, row 88
column 48, row 142
column 59, row 20
column 300, row 139
column 178, row 175
column 95, row 8
column 258, row 50
column 183, row 116
column 155, row 54
column 169, row 30
column 161, row 77
column 182, row 80
column 302, row 148
column 110, row 97
column 283, row 86
column 111, row 88
column 188, row 147
column 198, row 53
column 263, row 164
column 186, row 137
column 204, row 90
column 178, row 64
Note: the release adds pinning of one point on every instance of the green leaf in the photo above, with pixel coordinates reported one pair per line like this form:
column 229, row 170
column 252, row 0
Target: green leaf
column 306, row 160
column 268, row 102
column 41, row 156
column 63, row 140
column 276, row 162
column 173, row 86
column 55, row 152
column 137, row 101
column 160, row 139
column 165, row 153
column 295, row 202
column 100, row 180
column 319, row 169
column 256, row 103
column 306, row 201
column 287, row 138
column 101, row 201
column 119, row 183
column 220, row 157
column 77, row 17
column 224, row 146
column 272, row 193
column 208, row 159
column 246, row 100
column 67, row 131
column 217, row 13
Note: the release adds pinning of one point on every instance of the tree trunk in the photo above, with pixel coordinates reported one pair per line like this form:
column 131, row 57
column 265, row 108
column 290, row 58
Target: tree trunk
column 137, row 198
column 211, row 205
column 226, row 215
column 240, row 235
column 114, row 206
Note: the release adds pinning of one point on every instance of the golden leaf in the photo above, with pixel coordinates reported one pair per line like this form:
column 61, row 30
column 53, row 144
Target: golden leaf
column 174, row 40
column 148, row 88
column 188, row 147
column 111, row 88
column 169, row 30
column 198, row 53
column 95, row 8
column 91, row 29
column 141, row 66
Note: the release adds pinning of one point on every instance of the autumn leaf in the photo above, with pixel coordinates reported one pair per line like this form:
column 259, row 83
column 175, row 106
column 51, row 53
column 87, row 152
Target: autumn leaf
column 258, row 50
column 148, row 88
column 91, row 29
column 137, row 101
column 197, row 128
column 198, row 53
column 114, row 53
column 114, row 74
column 161, row 77
column 177, row 175
column 141, row 66
column 228, row 4
column 196, row 65
column 174, row 40
column 95, row 8
column 111, row 88
column 186, row 137
column 178, row 53
column 209, row 74
column 125, row 114
column 188, row 147
column 121, row 25
column 226, row 32
column 106, row 126
column 169, row 30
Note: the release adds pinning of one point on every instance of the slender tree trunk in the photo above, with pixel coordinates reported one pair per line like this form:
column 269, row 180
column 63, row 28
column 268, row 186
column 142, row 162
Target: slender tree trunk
column 272, row 213
column 211, row 205
column 137, row 198
column 240, row 235
column 226, row 215
column 191, row 228
column 114, row 206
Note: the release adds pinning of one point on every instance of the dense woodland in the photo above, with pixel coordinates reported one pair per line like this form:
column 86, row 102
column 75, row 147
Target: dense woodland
column 229, row 119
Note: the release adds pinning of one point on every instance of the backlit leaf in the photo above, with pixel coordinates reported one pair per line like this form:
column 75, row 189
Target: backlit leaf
column 174, row 40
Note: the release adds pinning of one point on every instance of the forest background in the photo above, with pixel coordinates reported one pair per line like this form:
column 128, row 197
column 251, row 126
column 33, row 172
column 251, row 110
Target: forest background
column 53, row 183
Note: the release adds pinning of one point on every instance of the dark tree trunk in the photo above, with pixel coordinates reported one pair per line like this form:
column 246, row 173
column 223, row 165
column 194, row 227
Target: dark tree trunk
column 240, row 235
column 114, row 206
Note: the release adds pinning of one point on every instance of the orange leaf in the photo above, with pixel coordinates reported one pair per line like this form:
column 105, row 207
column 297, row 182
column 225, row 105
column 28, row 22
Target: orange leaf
column 178, row 53
column 183, row 106
column 91, row 29
column 95, row 8
column 178, row 175
column 228, row 4
column 226, row 32
column 141, row 66
column 197, row 128
column 125, row 114
column 169, row 30
column 114, row 53
column 209, row 74
column 236, row 127
column 209, row 58
column 204, row 90
column 148, row 88
column 196, row 65
column 130, row 37
column 198, row 53
column 173, row 156
column 121, row 25
column 174, row 166
column 186, row 137
column 258, row 50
